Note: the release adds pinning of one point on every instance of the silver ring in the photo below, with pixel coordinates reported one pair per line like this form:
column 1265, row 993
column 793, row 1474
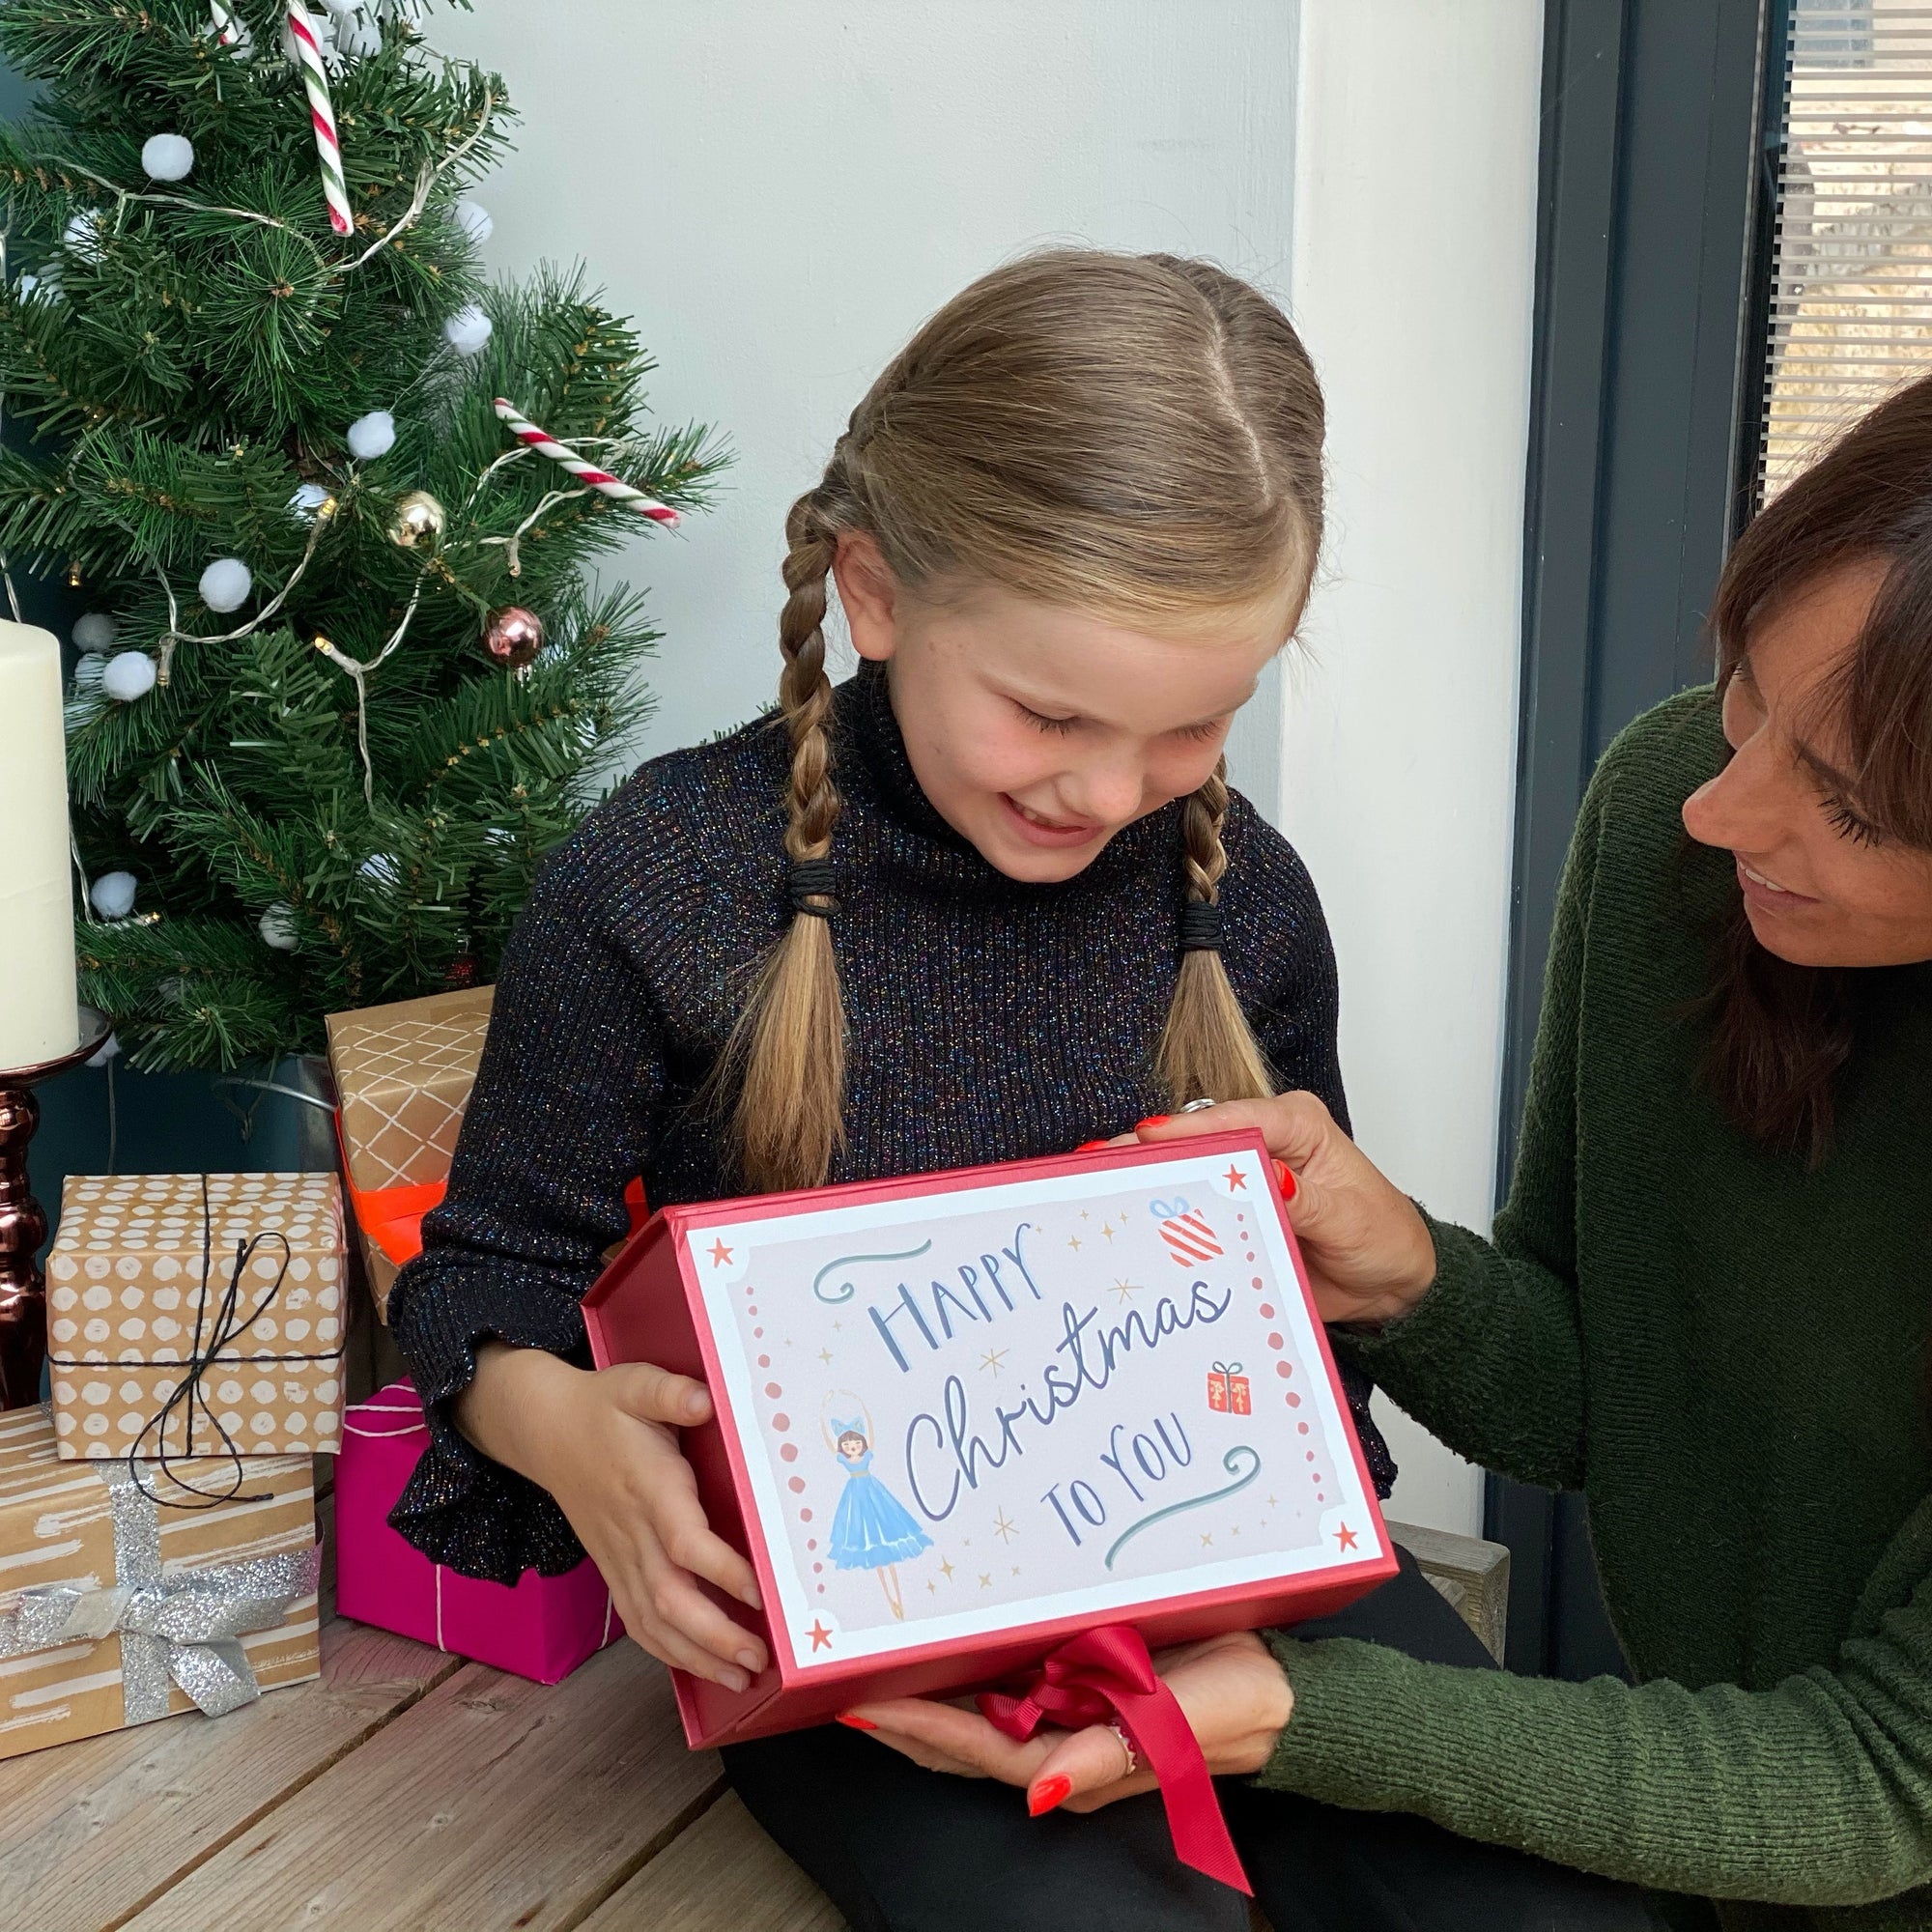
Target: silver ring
column 1195, row 1106
column 1127, row 1746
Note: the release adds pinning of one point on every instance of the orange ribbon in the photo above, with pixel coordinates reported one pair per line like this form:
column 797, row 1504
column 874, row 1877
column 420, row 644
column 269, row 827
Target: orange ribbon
column 392, row 1216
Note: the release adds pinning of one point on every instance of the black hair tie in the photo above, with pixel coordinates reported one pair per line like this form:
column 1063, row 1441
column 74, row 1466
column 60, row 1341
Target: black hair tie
column 1200, row 927
column 811, row 879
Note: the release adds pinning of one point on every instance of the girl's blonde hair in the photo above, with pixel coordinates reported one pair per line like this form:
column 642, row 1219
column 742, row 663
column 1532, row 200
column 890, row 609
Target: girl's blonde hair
column 1134, row 436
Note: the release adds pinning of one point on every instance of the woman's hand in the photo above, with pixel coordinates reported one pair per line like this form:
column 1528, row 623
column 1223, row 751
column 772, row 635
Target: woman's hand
column 1368, row 1251
column 1233, row 1692
column 603, row 1443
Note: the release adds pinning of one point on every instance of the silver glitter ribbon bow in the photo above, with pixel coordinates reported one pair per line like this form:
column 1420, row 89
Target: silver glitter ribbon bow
column 185, row 1628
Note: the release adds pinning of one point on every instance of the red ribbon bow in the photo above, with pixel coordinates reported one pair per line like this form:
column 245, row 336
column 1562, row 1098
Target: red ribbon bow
column 1106, row 1676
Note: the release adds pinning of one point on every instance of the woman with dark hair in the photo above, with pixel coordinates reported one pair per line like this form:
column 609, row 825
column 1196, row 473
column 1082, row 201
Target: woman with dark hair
column 1705, row 1304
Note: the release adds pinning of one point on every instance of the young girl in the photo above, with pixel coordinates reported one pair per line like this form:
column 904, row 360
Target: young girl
column 987, row 901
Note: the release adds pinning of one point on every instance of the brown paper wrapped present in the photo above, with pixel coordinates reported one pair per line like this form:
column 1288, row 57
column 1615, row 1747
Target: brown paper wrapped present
column 196, row 1315
column 129, row 1592
column 403, row 1075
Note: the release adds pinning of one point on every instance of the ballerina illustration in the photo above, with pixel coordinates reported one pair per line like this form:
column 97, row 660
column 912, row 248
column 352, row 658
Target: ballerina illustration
column 871, row 1529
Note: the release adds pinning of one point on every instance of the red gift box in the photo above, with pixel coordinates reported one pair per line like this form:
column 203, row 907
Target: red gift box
column 947, row 1431
column 1228, row 1390
column 540, row 1627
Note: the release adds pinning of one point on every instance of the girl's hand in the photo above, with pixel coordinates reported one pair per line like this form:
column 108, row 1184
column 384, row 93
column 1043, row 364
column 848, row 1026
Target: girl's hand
column 1368, row 1251
column 1235, row 1694
column 603, row 1443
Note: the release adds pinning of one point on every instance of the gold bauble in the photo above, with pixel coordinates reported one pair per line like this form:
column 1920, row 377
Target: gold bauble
column 419, row 519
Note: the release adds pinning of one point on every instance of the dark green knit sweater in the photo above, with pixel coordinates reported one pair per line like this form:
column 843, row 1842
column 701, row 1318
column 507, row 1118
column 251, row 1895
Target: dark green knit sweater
column 1723, row 1353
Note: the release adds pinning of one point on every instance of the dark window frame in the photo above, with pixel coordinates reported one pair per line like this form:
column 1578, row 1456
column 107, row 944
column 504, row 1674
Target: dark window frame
column 1651, row 289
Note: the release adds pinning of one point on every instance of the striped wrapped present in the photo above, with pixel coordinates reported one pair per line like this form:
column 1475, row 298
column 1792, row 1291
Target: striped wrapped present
column 129, row 1590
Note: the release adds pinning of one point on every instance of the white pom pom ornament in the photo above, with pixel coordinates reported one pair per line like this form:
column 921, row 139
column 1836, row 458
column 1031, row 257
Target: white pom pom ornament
column 112, row 895
column 308, row 499
column 467, row 331
column 473, row 218
column 225, row 584
column 167, row 157
column 82, row 235
column 128, row 675
column 278, row 927
column 94, row 631
column 356, row 36
column 372, row 435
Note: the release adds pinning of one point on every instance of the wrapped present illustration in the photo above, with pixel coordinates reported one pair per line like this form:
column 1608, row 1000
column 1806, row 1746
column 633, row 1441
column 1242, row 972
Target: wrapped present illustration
column 1189, row 1238
column 1228, row 1390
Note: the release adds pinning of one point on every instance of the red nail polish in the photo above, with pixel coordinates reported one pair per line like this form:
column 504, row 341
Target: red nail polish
column 1087, row 1147
column 1287, row 1180
column 1047, row 1793
column 1153, row 1121
column 857, row 1722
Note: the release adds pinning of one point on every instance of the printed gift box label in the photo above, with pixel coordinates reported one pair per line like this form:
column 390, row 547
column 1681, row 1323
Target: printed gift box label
column 973, row 1410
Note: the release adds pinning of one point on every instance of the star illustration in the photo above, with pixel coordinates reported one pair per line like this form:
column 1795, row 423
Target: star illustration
column 993, row 1360
column 821, row 1638
column 1236, row 1531
column 1126, row 1290
column 1016, row 1569
column 719, row 1253
column 838, row 1324
column 1106, row 1229
column 1345, row 1538
column 825, row 1356
column 1074, row 1242
column 1084, row 1215
column 946, row 1568
column 1206, row 1539
column 985, row 1579
column 1237, row 1180
column 1003, row 1526
column 931, row 1586
column 1270, row 1503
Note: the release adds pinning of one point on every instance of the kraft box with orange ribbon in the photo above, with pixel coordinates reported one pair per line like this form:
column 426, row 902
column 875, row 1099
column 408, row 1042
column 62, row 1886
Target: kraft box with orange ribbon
column 988, row 1430
column 540, row 1627
column 403, row 1075
column 198, row 1315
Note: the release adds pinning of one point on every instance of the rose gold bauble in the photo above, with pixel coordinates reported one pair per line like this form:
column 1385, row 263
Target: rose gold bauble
column 513, row 635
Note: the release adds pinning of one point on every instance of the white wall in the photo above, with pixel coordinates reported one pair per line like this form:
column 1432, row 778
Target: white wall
column 1415, row 221
column 779, row 192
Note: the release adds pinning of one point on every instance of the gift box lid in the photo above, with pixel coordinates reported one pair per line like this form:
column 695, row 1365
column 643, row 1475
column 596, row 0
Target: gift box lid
column 111, row 1223
column 966, row 1407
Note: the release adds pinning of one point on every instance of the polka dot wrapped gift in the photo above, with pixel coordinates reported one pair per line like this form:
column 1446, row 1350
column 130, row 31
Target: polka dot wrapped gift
column 198, row 1315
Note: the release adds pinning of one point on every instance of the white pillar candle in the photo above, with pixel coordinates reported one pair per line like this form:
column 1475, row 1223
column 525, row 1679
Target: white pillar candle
column 39, row 1013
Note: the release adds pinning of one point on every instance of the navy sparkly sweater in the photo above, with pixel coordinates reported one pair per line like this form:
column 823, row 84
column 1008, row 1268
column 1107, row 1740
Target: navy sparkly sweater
column 989, row 1020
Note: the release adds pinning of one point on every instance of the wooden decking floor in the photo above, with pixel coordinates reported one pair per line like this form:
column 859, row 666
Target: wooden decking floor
column 407, row 1791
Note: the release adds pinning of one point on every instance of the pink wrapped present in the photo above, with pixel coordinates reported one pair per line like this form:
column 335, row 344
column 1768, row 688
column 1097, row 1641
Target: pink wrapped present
column 540, row 1627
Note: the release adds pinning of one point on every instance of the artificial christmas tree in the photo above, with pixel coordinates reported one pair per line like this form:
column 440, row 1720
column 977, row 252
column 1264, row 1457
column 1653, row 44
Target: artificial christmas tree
column 329, row 497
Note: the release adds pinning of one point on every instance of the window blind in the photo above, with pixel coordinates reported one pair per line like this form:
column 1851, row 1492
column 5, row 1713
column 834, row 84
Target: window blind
column 1851, row 309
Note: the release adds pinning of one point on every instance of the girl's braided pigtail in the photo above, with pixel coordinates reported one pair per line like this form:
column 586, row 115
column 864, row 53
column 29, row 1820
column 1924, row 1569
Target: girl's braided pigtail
column 788, row 1046
column 1208, row 1051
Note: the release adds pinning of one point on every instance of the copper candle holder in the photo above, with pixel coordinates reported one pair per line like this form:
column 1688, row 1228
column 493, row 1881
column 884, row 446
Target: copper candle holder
column 23, row 1221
